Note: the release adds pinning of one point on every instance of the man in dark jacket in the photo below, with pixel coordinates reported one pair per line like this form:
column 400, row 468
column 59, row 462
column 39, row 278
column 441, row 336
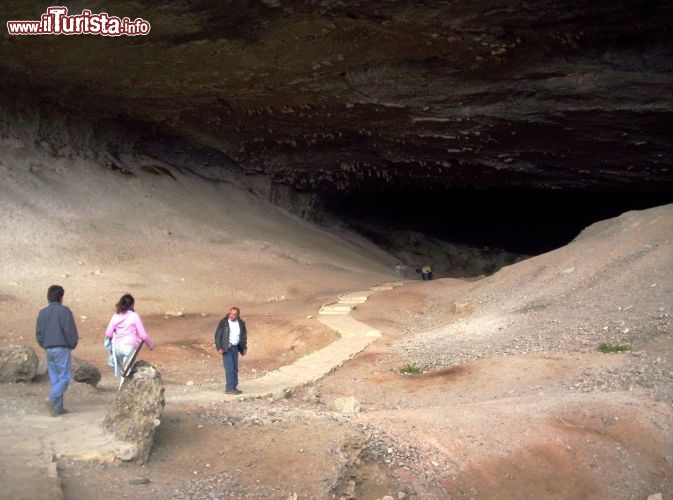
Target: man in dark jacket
column 56, row 333
column 231, row 337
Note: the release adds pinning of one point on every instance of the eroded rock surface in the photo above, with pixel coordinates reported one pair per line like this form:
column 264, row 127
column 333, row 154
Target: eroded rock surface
column 311, row 97
column 85, row 372
column 136, row 412
column 18, row 363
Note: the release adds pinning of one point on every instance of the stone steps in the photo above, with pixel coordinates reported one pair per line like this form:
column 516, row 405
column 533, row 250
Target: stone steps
column 336, row 309
column 347, row 302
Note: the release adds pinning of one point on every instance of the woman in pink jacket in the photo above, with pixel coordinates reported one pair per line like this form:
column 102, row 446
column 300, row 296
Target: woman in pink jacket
column 126, row 331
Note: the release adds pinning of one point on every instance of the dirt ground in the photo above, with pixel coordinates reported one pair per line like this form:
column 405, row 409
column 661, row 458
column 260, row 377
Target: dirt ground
column 513, row 399
column 496, row 428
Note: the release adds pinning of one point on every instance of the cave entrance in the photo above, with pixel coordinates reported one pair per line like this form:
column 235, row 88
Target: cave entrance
column 517, row 221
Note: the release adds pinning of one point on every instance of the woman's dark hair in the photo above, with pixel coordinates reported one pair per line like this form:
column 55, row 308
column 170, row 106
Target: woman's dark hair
column 55, row 293
column 125, row 303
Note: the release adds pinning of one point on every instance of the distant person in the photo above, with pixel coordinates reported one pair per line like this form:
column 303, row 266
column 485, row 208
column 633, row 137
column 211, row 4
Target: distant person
column 419, row 274
column 231, row 338
column 426, row 272
column 126, row 331
column 397, row 269
column 56, row 333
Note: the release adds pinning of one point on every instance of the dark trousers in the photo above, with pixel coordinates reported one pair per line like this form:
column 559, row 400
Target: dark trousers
column 230, row 361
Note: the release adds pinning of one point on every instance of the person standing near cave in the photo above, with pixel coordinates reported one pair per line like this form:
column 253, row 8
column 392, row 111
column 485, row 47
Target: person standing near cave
column 426, row 272
column 56, row 333
column 126, row 330
column 231, row 338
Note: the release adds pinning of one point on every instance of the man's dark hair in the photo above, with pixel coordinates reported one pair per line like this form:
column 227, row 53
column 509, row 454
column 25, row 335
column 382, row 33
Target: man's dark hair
column 55, row 293
column 125, row 303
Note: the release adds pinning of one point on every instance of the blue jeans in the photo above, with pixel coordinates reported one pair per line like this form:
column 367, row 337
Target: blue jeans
column 230, row 360
column 59, row 367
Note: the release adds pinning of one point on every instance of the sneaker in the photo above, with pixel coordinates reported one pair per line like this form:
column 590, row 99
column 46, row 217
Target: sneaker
column 64, row 411
column 50, row 407
column 232, row 391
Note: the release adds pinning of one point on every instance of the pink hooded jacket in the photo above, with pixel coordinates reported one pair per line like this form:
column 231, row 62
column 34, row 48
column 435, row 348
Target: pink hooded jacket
column 127, row 328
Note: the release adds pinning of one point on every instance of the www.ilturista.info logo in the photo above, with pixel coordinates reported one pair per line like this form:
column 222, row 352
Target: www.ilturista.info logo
column 56, row 21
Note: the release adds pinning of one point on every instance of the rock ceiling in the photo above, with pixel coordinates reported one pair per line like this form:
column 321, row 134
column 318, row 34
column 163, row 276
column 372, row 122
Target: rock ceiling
column 329, row 95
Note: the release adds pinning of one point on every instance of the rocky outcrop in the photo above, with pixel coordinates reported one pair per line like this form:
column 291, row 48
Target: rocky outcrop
column 85, row 372
column 136, row 411
column 18, row 364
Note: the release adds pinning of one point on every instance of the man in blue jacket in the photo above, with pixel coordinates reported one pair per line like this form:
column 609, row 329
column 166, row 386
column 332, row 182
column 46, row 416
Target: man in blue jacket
column 56, row 333
column 231, row 337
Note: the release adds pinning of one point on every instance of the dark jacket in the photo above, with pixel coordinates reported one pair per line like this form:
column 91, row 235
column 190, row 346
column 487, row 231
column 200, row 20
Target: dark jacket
column 222, row 335
column 56, row 327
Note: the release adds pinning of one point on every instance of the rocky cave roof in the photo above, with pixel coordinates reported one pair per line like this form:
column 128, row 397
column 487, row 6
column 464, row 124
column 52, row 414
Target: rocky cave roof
column 323, row 95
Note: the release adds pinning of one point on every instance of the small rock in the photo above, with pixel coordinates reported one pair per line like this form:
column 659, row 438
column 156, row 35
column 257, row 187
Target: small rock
column 17, row 364
column 139, row 480
column 461, row 307
column 347, row 405
column 85, row 372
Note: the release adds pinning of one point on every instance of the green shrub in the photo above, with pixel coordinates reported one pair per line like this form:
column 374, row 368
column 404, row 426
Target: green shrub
column 411, row 368
column 614, row 347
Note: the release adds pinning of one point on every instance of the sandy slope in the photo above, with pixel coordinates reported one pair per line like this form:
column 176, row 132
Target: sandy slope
column 176, row 243
column 612, row 284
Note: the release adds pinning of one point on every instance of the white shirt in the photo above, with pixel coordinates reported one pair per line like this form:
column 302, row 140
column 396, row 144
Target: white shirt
column 234, row 332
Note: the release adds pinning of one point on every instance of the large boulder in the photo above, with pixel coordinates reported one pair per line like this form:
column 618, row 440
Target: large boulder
column 18, row 363
column 85, row 372
column 136, row 411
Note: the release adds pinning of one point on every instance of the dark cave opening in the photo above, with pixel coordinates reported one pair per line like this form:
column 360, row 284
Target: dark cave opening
column 525, row 221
